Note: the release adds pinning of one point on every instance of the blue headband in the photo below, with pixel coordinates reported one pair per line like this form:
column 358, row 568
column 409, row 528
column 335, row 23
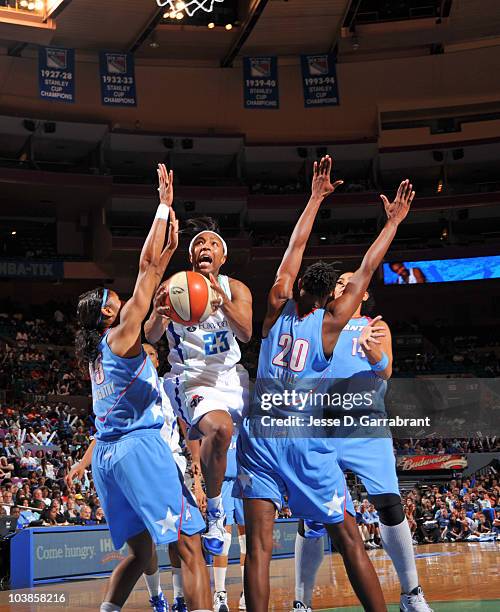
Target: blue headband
column 103, row 302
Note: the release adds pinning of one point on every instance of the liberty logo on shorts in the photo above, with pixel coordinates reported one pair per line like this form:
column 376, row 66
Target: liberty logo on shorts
column 196, row 400
column 191, row 328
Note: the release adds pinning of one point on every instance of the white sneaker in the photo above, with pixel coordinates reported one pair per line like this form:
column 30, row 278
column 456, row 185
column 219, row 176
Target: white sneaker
column 414, row 601
column 213, row 539
column 298, row 605
column 243, row 604
column 220, row 602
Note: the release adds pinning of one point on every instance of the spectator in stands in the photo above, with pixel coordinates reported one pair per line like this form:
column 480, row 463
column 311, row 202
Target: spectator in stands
column 86, row 516
column 28, row 462
column 99, row 516
column 7, row 501
column 6, row 468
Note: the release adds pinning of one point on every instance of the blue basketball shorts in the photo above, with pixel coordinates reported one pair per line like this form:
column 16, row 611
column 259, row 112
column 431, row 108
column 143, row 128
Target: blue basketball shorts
column 233, row 506
column 140, row 487
column 302, row 471
column 372, row 460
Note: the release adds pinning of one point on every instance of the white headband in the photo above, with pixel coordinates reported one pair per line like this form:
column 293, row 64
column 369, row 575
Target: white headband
column 224, row 245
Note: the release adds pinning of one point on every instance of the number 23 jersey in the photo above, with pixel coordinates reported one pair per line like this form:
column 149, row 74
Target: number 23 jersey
column 204, row 353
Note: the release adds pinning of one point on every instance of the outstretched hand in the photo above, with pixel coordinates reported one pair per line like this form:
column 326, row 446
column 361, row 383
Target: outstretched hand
column 398, row 209
column 173, row 232
column 321, row 183
column 166, row 185
column 370, row 333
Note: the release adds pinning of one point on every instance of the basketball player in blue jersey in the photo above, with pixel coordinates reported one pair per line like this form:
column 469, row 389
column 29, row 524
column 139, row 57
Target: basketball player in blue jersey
column 363, row 358
column 139, row 486
column 297, row 347
column 170, row 432
column 209, row 391
column 233, row 510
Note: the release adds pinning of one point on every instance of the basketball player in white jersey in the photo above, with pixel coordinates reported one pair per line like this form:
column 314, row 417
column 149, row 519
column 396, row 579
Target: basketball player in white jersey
column 208, row 391
column 407, row 276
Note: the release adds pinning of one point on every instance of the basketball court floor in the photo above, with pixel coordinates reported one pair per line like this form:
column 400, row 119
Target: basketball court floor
column 458, row 577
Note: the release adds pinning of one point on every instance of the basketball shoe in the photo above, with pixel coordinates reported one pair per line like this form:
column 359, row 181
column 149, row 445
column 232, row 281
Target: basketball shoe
column 298, row 605
column 179, row 605
column 414, row 601
column 213, row 539
column 220, row 602
column 243, row 604
column 159, row 603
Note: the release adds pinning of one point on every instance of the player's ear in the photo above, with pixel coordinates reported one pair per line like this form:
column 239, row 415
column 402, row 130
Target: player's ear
column 366, row 295
column 223, row 260
column 299, row 284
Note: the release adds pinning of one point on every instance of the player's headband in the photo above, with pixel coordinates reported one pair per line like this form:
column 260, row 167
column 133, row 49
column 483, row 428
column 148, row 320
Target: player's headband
column 105, row 294
column 224, row 245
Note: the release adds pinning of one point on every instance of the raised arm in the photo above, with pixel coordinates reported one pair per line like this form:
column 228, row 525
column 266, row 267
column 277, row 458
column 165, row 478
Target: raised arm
column 343, row 308
column 155, row 326
column 125, row 339
column 282, row 290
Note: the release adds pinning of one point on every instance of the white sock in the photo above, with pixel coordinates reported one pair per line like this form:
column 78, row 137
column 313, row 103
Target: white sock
column 220, row 578
column 308, row 557
column 398, row 544
column 177, row 582
column 242, row 568
column 153, row 583
column 107, row 606
column 214, row 503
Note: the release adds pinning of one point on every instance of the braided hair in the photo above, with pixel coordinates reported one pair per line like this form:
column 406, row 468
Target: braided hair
column 90, row 326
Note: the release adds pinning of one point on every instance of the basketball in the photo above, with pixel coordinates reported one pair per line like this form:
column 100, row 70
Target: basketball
column 189, row 296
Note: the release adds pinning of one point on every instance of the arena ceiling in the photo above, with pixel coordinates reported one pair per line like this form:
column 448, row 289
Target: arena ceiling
column 361, row 29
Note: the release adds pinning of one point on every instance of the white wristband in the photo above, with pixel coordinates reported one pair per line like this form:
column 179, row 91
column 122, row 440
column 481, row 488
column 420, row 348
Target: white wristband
column 162, row 212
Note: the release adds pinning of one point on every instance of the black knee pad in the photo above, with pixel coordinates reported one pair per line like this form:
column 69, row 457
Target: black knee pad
column 389, row 508
column 300, row 528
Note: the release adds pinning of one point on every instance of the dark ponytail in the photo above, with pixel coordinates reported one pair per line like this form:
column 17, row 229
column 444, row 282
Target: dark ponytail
column 91, row 325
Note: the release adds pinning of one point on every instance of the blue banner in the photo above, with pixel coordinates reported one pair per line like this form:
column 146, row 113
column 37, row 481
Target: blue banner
column 260, row 82
column 117, row 79
column 319, row 80
column 58, row 553
column 30, row 268
column 56, row 74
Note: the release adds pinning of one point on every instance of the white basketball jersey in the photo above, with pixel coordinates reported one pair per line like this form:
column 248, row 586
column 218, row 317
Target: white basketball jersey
column 170, row 429
column 412, row 280
column 202, row 354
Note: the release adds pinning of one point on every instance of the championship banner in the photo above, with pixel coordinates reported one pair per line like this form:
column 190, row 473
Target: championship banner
column 260, row 82
column 117, row 79
column 30, row 268
column 56, row 74
column 420, row 463
column 319, row 80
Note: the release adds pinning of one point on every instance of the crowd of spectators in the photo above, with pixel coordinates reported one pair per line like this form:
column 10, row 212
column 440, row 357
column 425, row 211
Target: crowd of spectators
column 36, row 354
column 457, row 510
column 446, row 446
column 39, row 443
